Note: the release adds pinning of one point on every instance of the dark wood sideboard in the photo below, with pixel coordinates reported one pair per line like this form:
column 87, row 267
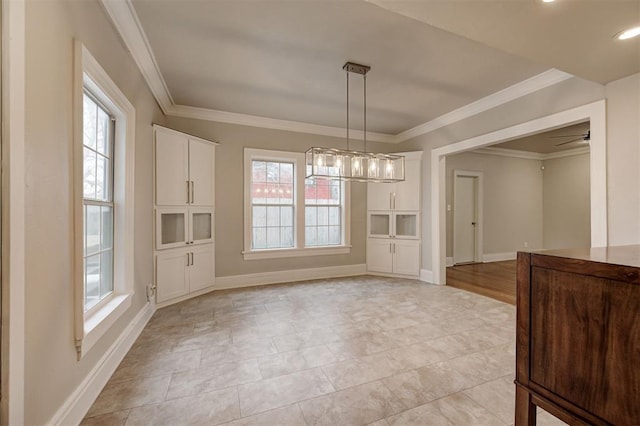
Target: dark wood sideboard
column 578, row 335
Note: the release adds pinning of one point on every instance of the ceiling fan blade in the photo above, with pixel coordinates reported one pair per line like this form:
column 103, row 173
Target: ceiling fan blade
column 573, row 140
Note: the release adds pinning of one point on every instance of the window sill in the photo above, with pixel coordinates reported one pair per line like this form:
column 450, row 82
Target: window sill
column 295, row 252
column 100, row 321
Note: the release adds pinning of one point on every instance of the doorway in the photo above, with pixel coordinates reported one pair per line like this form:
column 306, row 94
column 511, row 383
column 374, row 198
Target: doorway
column 467, row 209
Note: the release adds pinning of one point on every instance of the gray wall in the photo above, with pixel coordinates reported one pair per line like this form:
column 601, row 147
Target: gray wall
column 52, row 371
column 566, row 202
column 559, row 97
column 512, row 192
column 229, row 221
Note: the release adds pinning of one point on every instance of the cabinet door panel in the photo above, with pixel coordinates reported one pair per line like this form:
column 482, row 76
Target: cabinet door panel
column 379, row 256
column 171, row 275
column 201, row 164
column 408, row 192
column 379, row 196
column 201, row 272
column 171, row 169
column 406, row 259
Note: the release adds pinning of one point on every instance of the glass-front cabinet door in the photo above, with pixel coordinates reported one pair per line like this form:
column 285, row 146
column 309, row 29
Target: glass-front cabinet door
column 406, row 225
column 379, row 225
column 201, row 220
column 171, row 227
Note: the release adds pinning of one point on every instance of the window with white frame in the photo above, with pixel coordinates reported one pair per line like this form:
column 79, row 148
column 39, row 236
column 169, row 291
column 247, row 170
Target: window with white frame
column 104, row 141
column 97, row 185
column 287, row 215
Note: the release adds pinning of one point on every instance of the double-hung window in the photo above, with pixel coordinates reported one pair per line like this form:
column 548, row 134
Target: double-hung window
column 104, row 148
column 97, row 185
column 287, row 215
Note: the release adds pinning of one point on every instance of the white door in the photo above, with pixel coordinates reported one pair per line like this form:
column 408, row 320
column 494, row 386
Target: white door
column 406, row 259
column 171, row 169
column 201, row 271
column 201, row 165
column 171, row 275
column 464, row 219
column 379, row 255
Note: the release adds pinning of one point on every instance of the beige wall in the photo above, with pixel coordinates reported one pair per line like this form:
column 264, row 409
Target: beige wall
column 559, row 97
column 229, row 194
column 623, row 159
column 512, row 199
column 51, row 366
column 566, row 202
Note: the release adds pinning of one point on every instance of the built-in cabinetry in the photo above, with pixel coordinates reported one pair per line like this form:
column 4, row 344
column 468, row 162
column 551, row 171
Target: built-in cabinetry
column 393, row 222
column 184, row 183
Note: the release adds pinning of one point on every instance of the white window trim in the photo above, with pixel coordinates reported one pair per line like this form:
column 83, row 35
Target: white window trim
column 90, row 326
column 299, row 250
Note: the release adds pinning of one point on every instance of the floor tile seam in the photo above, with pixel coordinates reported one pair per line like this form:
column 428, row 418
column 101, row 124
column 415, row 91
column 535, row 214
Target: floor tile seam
column 209, row 390
column 153, row 376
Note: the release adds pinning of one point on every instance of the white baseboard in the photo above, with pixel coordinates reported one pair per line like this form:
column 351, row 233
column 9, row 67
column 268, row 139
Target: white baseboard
column 78, row 403
column 449, row 261
column 263, row 278
column 498, row 257
column 426, row 276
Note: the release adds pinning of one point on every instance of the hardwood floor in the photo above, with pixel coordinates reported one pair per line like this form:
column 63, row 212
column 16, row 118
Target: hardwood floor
column 495, row 279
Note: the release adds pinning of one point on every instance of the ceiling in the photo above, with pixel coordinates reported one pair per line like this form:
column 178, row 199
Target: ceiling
column 547, row 142
column 282, row 59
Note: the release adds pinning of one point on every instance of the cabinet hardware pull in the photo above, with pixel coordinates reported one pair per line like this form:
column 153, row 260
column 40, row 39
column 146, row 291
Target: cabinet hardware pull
column 187, row 192
column 187, row 259
column 191, row 258
column 394, row 201
column 192, row 190
column 390, row 248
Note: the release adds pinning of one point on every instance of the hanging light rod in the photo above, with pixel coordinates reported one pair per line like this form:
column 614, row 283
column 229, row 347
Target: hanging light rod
column 349, row 165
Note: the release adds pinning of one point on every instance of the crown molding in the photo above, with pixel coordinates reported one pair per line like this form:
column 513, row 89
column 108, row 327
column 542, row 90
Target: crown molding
column 523, row 88
column 272, row 123
column 126, row 21
column 527, row 155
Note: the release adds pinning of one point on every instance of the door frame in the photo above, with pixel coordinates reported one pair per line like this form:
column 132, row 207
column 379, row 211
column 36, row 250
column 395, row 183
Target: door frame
column 478, row 253
column 594, row 112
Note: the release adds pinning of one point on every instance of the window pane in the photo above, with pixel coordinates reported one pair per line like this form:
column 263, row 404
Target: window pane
column 286, row 236
column 273, row 172
column 102, row 132
column 310, row 216
column 89, row 174
column 273, row 237
column 273, row 216
column 310, row 235
column 310, row 191
column 92, row 281
column 259, row 171
column 323, row 235
column 334, row 215
column 334, row 235
column 323, row 215
column 107, row 227
column 92, row 220
column 258, row 193
column 89, row 116
column 286, row 173
column 259, row 238
column 286, row 216
column 259, row 216
column 102, row 178
column 286, row 193
column 106, row 273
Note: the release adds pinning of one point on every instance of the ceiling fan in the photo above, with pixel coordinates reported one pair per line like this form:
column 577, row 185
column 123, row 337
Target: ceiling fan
column 585, row 137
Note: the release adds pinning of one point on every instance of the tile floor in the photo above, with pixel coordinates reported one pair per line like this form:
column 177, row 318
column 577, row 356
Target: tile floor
column 351, row 351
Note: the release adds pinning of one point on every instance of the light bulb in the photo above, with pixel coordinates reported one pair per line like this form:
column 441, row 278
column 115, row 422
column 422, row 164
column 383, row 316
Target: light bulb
column 320, row 160
column 627, row 34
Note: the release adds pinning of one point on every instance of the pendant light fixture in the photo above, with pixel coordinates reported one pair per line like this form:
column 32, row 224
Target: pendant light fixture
column 358, row 166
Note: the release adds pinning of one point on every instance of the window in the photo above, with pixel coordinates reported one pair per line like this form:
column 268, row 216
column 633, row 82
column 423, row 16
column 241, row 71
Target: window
column 97, row 184
column 104, row 138
column 287, row 215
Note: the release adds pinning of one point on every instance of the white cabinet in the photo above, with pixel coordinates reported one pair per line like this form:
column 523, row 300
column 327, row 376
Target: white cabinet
column 180, row 272
column 184, row 169
column 393, row 222
column 403, row 195
column 393, row 256
column 184, row 188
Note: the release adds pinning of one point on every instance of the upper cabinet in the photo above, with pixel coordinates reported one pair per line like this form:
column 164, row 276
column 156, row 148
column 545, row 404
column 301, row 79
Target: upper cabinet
column 183, row 169
column 398, row 196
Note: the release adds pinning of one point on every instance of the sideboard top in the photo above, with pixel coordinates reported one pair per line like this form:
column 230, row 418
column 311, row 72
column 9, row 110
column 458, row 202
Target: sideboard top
column 617, row 255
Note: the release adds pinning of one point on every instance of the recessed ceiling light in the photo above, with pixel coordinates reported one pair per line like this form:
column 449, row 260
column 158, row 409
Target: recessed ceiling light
column 627, row 34
column 548, row 1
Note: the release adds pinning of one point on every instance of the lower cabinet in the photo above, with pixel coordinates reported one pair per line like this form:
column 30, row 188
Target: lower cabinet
column 393, row 256
column 183, row 271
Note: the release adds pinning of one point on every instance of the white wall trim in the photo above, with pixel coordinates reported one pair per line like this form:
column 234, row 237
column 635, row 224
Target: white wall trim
column 499, row 257
column 292, row 275
column 527, row 155
column 80, row 400
column 13, row 211
column 523, row 88
column 126, row 21
column 595, row 112
column 449, row 261
column 426, row 276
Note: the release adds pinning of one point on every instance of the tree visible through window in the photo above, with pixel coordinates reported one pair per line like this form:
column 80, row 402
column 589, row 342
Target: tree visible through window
column 97, row 201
